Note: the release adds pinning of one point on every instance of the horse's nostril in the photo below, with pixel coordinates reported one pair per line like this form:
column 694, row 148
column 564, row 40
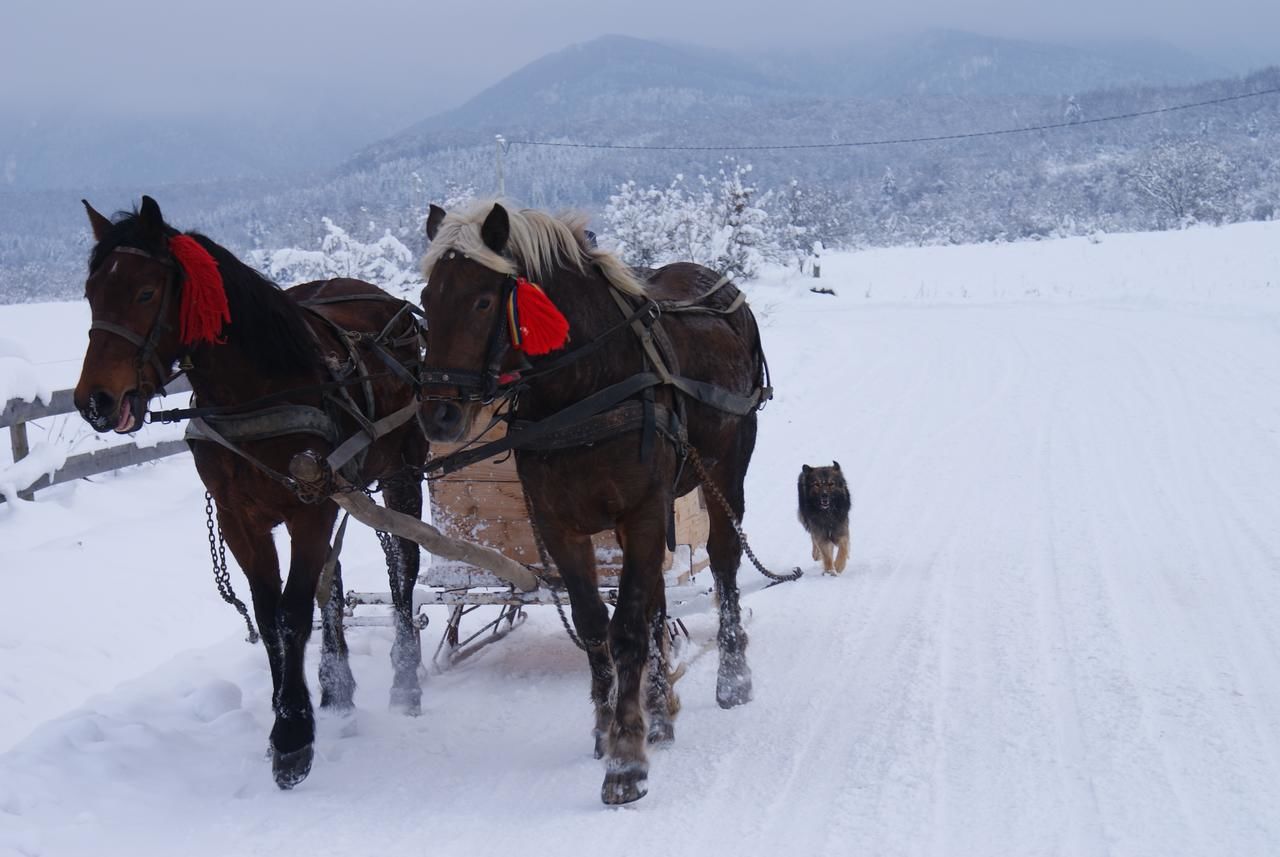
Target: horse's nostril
column 101, row 405
column 447, row 416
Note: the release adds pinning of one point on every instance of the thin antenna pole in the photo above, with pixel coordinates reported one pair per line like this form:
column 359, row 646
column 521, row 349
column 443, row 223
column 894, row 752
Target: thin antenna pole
column 499, row 144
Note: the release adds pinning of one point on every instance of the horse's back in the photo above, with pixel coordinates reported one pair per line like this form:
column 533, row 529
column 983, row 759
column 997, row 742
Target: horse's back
column 721, row 348
column 680, row 282
column 349, row 303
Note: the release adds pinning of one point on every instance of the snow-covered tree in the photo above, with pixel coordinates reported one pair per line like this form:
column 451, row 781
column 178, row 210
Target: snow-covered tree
column 1072, row 113
column 1187, row 182
column 740, row 242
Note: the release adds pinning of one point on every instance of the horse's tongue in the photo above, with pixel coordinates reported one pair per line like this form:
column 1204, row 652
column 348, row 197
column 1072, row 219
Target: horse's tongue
column 126, row 416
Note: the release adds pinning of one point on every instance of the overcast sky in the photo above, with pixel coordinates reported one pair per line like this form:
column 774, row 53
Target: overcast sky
column 425, row 55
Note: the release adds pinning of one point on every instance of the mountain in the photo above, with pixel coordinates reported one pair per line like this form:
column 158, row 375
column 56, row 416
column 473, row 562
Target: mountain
column 619, row 88
column 605, row 81
column 952, row 63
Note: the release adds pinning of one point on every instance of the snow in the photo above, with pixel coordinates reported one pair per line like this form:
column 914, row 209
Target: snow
column 1058, row 633
column 18, row 378
column 43, row 459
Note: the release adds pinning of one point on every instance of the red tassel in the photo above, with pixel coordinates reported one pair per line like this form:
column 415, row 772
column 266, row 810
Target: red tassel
column 537, row 327
column 204, row 308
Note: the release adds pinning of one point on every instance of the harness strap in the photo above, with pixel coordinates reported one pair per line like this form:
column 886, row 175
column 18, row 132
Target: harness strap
column 276, row 421
column 524, row 435
column 198, row 429
column 178, row 414
column 355, row 444
column 644, row 332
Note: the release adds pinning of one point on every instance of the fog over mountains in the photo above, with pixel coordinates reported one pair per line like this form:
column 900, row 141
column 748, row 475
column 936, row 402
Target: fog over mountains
column 258, row 182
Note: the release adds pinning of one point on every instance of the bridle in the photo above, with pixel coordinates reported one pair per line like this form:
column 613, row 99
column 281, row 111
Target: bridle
column 482, row 386
column 146, row 345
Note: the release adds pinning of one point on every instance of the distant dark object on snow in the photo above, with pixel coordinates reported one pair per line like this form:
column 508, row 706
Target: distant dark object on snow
column 822, row 290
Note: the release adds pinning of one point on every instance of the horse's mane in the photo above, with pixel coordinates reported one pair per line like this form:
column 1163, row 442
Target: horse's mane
column 265, row 322
column 539, row 243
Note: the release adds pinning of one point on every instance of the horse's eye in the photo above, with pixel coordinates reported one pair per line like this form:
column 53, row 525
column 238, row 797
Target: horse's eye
column 483, row 304
column 146, row 296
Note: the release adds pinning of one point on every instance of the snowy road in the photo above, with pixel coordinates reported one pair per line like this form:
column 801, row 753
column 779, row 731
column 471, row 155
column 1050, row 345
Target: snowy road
column 1059, row 632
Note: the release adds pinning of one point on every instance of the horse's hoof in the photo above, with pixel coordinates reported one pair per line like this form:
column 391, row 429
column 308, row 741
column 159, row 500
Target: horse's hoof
column 626, row 782
column 406, row 702
column 341, row 706
column 662, row 732
column 733, row 689
column 291, row 768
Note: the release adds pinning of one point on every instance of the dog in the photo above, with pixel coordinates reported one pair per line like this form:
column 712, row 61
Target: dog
column 824, row 512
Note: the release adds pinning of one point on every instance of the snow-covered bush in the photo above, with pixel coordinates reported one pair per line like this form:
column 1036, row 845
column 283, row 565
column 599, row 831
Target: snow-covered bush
column 386, row 262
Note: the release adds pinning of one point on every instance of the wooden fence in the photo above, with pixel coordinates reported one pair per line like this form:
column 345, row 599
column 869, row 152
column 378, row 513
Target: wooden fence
column 17, row 414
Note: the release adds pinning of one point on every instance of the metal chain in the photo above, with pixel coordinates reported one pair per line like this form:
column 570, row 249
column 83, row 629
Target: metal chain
column 546, row 569
column 692, row 454
column 218, row 555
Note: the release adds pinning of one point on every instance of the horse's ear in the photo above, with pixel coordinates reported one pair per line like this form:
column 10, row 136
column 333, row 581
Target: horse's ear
column 151, row 218
column 434, row 218
column 99, row 223
column 496, row 229
column 835, row 464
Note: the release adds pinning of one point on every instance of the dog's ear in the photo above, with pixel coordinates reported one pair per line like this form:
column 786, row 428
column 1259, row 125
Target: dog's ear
column 835, row 464
column 806, row 469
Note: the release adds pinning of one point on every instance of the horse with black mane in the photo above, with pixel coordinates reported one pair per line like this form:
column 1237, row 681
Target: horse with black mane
column 657, row 374
column 274, row 373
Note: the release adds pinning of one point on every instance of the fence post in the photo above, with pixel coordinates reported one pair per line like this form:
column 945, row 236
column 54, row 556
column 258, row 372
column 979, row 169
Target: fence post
column 21, row 449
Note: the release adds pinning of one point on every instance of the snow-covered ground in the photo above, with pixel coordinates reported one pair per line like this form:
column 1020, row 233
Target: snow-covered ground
column 1059, row 632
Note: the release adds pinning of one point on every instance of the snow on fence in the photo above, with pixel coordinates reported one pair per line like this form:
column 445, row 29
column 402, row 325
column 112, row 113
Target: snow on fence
column 18, row 412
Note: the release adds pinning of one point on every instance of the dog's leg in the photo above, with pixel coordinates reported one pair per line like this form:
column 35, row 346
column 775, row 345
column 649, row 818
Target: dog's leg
column 827, row 562
column 816, row 555
column 842, row 553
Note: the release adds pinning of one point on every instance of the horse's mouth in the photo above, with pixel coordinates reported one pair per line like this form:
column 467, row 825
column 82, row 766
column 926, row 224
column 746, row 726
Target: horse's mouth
column 132, row 410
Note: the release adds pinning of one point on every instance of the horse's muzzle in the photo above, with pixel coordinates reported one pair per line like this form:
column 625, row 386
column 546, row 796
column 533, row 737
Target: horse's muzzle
column 104, row 413
column 445, row 423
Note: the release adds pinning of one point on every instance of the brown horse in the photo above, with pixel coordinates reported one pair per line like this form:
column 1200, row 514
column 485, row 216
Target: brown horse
column 274, row 369
column 622, row 468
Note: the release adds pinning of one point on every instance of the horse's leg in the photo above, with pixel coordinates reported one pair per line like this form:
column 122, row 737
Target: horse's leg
column 294, row 732
column 733, row 682
column 575, row 558
column 627, row 766
column 255, row 551
column 403, row 493
column 660, row 701
column 337, row 684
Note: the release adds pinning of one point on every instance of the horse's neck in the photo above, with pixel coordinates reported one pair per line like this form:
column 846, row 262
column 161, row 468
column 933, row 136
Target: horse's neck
column 224, row 375
column 591, row 309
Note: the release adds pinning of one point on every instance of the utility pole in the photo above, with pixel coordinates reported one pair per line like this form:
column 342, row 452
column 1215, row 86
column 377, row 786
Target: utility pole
column 499, row 145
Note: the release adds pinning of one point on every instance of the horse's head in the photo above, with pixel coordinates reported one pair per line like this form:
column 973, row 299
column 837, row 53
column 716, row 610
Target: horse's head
column 151, row 292
column 466, row 343
column 483, row 316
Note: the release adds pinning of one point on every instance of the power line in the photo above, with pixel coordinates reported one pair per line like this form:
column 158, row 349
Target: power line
column 939, row 138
